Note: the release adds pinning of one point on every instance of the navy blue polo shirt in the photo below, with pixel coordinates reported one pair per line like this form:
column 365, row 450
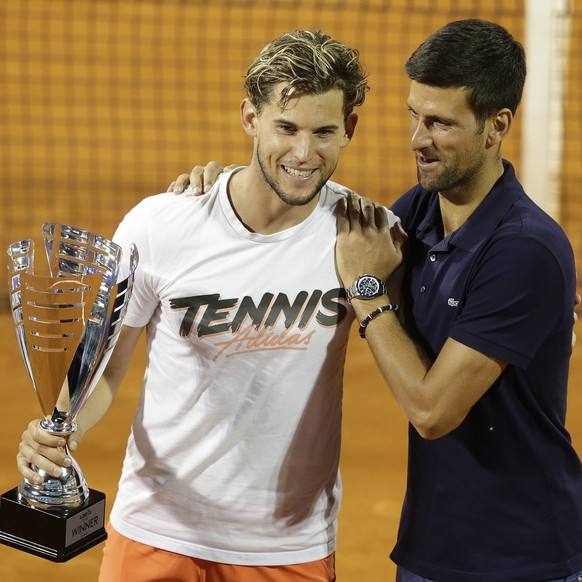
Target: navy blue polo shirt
column 499, row 499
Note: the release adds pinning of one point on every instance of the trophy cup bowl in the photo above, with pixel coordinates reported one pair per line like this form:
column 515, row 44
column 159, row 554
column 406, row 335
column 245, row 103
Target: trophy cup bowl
column 67, row 325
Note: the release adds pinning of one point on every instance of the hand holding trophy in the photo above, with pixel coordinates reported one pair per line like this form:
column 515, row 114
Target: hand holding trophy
column 67, row 325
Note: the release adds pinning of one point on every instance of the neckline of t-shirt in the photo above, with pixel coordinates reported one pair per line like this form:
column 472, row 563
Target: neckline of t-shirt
column 241, row 229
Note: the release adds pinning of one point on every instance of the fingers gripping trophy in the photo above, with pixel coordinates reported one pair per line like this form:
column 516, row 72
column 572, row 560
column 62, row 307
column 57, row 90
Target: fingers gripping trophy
column 67, row 325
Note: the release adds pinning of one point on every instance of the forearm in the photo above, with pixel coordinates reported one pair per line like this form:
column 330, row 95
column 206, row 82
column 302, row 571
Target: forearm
column 435, row 396
column 403, row 365
column 108, row 385
column 97, row 405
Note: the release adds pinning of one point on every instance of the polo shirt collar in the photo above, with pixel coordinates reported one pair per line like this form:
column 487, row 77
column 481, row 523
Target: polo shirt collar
column 483, row 220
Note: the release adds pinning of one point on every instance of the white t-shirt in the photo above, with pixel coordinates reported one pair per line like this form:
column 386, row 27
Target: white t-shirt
column 234, row 450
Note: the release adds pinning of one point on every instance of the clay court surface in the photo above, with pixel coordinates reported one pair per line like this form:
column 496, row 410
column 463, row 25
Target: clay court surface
column 372, row 465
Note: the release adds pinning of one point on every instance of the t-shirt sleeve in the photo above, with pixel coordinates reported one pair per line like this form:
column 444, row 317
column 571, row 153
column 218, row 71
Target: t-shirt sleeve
column 515, row 299
column 134, row 229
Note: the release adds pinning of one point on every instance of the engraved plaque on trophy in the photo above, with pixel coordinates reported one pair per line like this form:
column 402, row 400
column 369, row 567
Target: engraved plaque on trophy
column 67, row 325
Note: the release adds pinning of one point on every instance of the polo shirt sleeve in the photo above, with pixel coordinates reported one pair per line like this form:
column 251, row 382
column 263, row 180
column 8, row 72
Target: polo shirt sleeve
column 515, row 299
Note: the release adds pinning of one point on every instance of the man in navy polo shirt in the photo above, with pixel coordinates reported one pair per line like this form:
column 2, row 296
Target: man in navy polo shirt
column 479, row 360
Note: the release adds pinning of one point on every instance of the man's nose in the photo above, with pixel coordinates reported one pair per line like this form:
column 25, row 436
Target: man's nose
column 303, row 147
column 420, row 137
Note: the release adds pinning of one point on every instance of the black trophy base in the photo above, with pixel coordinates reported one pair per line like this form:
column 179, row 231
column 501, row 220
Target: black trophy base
column 52, row 534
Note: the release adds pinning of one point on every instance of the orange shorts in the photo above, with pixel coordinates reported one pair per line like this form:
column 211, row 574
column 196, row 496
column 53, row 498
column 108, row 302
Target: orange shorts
column 125, row 560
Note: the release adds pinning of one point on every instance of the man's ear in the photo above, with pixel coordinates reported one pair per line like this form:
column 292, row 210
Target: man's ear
column 248, row 116
column 499, row 127
column 350, row 126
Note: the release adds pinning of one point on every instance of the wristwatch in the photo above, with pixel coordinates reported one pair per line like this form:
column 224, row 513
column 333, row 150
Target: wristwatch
column 366, row 287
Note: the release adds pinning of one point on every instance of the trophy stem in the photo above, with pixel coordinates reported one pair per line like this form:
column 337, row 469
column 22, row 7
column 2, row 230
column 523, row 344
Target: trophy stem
column 69, row 491
column 58, row 425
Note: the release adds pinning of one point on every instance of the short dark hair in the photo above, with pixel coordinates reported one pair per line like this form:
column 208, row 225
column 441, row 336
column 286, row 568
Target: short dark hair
column 480, row 56
column 311, row 63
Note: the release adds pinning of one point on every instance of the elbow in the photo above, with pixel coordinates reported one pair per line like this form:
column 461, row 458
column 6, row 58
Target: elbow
column 429, row 432
column 432, row 426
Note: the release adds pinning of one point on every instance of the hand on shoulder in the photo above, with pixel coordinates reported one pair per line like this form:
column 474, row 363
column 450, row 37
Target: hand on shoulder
column 201, row 178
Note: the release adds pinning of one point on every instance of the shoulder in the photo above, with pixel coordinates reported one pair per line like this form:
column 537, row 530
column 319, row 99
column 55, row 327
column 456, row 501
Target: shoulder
column 136, row 221
column 155, row 222
column 413, row 206
column 152, row 204
column 523, row 217
column 335, row 192
column 169, row 208
column 536, row 229
column 537, row 223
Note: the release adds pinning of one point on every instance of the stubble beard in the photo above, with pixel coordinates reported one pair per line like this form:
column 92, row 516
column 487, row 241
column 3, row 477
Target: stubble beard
column 282, row 194
column 453, row 176
column 448, row 179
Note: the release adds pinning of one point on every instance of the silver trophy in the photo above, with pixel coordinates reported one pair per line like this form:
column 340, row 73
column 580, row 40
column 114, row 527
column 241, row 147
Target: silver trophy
column 67, row 325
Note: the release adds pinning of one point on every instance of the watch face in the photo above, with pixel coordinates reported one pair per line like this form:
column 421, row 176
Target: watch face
column 368, row 286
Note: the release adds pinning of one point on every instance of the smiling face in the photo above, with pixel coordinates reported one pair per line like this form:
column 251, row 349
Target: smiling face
column 449, row 143
column 297, row 149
